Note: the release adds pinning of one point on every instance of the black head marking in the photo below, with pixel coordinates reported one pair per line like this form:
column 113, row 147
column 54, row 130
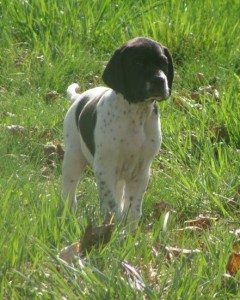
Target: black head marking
column 113, row 74
column 170, row 71
column 134, row 65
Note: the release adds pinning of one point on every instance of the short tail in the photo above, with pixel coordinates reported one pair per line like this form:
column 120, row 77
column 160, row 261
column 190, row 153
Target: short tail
column 72, row 92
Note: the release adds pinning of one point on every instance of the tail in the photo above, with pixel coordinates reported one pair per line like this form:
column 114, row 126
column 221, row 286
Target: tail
column 72, row 92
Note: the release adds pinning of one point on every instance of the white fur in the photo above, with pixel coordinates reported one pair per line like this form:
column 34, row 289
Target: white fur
column 127, row 137
column 72, row 92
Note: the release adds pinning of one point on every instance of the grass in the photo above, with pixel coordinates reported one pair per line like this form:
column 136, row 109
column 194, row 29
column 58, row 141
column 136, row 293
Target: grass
column 46, row 45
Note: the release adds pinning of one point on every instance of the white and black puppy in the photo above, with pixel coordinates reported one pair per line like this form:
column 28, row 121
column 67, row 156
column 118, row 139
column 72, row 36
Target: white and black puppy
column 117, row 129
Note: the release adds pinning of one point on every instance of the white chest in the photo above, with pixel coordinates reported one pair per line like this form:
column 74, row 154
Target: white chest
column 129, row 133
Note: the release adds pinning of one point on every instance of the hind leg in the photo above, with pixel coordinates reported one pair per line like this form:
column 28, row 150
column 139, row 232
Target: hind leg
column 74, row 162
column 73, row 166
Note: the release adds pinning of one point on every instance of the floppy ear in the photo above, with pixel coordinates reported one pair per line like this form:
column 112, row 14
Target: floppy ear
column 170, row 73
column 113, row 73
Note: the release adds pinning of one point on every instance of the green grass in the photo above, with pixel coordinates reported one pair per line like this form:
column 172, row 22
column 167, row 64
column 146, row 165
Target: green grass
column 45, row 46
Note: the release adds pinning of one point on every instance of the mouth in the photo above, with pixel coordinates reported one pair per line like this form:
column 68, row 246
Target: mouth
column 152, row 94
column 159, row 97
column 156, row 98
column 158, row 93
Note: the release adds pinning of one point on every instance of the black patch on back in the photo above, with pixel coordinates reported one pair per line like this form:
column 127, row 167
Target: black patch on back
column 80, row 107
column 86, row 117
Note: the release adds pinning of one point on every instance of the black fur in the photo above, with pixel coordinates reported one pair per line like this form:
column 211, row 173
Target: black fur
column 86, row 117
column 133, row 64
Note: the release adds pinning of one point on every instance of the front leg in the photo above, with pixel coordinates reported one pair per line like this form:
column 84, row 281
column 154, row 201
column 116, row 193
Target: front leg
column 107, row 190
column 135, row 189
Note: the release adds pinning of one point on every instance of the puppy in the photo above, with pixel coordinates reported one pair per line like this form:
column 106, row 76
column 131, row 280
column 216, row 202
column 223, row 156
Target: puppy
column 116, row 129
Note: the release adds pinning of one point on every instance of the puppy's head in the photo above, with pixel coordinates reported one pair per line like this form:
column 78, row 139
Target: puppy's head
column 141, row 69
